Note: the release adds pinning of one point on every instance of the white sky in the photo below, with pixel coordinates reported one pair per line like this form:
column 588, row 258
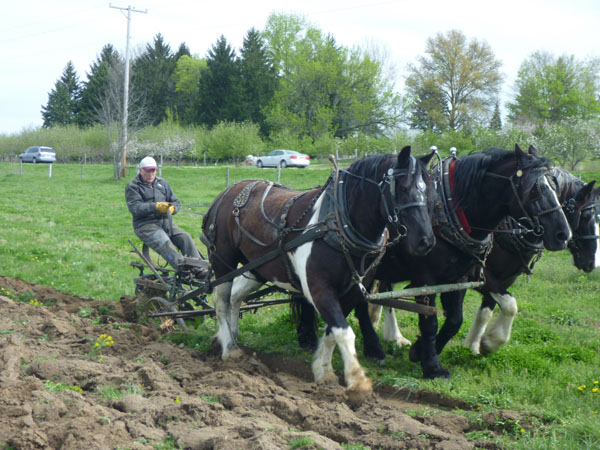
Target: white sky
column 39, row 37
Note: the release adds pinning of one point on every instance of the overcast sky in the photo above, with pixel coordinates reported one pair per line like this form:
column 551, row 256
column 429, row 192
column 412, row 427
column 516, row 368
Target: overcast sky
column 38, row 38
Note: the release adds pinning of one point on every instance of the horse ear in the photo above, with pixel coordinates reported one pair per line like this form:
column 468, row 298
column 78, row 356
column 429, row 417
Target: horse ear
column 532, row 151
column 584, row 194
column 521, row 155
column 426, row 158
column 404, row 156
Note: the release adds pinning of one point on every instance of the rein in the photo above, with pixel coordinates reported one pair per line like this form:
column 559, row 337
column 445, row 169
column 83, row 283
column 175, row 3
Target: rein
column 537, row 228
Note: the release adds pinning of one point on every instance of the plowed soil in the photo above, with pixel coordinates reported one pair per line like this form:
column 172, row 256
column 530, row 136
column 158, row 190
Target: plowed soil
column 145, row 392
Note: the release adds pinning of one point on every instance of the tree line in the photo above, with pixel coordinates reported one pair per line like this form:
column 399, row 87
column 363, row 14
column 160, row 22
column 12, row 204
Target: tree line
column 294, row 84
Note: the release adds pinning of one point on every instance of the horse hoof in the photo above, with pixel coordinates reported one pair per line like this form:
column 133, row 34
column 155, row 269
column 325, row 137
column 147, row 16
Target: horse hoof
column 309, row 344
column 439, row 372
column 413, row 353
column 357, row 396
column 375, row 359
column 327, row 378
column 375, row 355
column 233, row 354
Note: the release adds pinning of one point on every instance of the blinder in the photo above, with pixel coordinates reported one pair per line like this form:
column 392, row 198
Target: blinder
column 389, row 178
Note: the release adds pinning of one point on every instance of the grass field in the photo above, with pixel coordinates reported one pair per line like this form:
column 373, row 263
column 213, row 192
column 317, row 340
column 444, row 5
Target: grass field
column 71, row 232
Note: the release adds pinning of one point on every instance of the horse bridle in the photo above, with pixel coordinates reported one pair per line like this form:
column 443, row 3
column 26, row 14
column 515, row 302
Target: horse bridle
column 573, row 211
column 534, row 223
column 389, row 179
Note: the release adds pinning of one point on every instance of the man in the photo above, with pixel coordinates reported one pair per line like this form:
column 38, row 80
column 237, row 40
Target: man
column 150, row 200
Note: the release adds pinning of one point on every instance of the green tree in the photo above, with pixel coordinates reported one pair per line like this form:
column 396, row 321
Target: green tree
column 325, row 89
column 63, row 101
column 186, row 77
column 550, row 88
column 258, row 79
column 219, row 86
column 95, row 89
column 152, row 72
column 496, row 122
column 455, row 85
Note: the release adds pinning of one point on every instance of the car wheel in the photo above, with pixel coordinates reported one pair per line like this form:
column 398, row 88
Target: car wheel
column 33, row 161
column 259, row 164
column 282, row 164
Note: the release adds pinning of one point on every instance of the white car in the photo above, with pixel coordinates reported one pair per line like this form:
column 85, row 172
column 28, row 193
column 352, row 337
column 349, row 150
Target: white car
column 38, row 154
column 283, row 159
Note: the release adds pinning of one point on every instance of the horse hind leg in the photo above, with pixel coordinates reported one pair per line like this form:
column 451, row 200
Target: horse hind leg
column 498, row 333
column 479, row 325
column 321, row 365
column 225, row 335
column 391, row 331
column 242, row 286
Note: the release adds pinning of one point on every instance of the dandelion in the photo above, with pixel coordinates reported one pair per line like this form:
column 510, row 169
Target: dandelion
column 177, row 399
column 596, row 382
column 582, row 388
column 102, row 341
column 35, row 302
column 522, row 430
column 595, row 389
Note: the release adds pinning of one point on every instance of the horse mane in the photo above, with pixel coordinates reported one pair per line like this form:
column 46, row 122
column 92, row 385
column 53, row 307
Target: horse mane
column 368, row 167
column 470, row 172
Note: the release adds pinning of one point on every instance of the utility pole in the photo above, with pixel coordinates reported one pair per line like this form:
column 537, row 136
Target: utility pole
column 129, row 10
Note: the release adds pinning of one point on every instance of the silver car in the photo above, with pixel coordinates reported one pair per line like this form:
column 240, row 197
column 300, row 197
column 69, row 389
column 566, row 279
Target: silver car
column 283, row 159
column 38, row 154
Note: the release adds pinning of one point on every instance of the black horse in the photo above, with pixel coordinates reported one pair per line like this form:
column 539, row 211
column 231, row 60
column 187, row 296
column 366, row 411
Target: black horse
column 514, row 255
column 321, row 243
column 474, row 193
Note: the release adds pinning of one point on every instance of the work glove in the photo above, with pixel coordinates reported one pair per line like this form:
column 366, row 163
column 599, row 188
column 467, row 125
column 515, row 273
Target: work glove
column 172, row 209
column 162, row 207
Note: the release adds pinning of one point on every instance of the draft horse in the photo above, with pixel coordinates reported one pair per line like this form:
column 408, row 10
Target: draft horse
column 473, row 194
column 513, row 255
column 321, row 243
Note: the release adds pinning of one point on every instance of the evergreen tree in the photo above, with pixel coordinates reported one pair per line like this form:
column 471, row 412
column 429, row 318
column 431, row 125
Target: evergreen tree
column 95, row 89
column 219, row 86
column 152, row 78
column 496, row 122
column 258, row 79
column 63, row 100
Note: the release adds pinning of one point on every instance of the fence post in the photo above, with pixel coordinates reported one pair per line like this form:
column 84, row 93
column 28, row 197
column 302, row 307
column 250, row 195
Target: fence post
column 355, row 154
column 82, row 164
column 50, row 170
column 204, row 159
column 278, row 173
column 21, row 167
column 227, row 177
column 160, row 166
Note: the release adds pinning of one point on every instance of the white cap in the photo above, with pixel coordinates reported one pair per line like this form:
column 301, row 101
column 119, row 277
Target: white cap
column 147, row 163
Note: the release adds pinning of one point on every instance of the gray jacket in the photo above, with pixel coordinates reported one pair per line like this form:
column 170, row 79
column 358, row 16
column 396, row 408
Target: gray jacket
column 141, row 200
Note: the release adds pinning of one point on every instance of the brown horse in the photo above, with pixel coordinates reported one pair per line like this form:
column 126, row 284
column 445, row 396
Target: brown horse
column 321, row 243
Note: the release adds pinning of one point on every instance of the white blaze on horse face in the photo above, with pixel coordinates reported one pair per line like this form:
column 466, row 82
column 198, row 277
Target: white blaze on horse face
column 557, row 204
column 300, row 255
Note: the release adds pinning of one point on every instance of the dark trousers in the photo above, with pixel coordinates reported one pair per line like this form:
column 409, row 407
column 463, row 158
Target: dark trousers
column 166, row 246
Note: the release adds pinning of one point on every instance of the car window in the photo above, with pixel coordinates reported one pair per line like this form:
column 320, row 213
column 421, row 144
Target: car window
column 32, row 150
